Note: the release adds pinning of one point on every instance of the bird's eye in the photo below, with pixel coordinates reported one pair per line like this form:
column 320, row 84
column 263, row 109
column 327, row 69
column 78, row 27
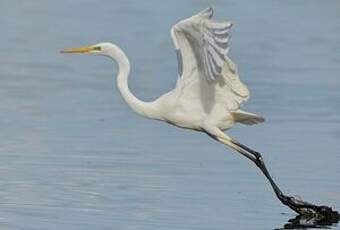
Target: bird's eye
column 98, row 48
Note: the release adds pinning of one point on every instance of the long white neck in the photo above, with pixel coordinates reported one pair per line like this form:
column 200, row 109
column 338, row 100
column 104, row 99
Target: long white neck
column 146, row 109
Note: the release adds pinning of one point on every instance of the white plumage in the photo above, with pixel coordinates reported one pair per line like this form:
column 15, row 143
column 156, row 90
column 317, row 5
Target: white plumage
column 208, row 92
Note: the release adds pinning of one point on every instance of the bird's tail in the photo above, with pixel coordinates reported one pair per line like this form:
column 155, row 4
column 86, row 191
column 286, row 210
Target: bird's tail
column 247, row 118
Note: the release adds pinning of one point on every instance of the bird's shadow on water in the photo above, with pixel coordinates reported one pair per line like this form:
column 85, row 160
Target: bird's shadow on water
column 303, row 222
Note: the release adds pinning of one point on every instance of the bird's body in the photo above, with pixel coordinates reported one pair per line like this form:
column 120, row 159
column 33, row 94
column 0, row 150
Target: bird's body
column 197, row 106
column 208, row 92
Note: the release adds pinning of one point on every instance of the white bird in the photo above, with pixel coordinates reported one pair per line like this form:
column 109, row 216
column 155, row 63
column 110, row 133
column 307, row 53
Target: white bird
column 208, row 92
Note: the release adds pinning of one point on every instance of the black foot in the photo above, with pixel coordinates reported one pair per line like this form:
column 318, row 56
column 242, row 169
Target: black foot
column 308, row 210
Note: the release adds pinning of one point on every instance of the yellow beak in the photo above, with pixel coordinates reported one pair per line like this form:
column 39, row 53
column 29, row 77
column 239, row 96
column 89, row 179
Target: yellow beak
column 86, row 49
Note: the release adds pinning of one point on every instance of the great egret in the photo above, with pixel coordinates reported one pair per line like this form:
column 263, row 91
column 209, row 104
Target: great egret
column 208, row 91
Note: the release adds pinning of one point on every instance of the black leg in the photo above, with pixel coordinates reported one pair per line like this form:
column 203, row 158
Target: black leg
column 299, row 206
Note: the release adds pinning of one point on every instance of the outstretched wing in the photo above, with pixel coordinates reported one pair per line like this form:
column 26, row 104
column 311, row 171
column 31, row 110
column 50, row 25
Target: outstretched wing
column 202, row 46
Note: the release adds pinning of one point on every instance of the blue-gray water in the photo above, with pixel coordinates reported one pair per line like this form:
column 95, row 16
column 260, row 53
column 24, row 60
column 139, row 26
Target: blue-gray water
column 74, row 156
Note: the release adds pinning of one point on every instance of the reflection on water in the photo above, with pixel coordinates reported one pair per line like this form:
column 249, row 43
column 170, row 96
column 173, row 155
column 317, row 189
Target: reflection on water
column 302, row 222
column 73, row 156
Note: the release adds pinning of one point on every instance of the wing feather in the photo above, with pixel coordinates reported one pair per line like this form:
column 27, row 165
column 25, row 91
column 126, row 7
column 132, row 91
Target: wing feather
column 213, row 66
column 215, row 42
column 202, row 45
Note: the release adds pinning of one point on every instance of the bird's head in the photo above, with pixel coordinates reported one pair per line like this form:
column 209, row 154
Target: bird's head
column 103, row 48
